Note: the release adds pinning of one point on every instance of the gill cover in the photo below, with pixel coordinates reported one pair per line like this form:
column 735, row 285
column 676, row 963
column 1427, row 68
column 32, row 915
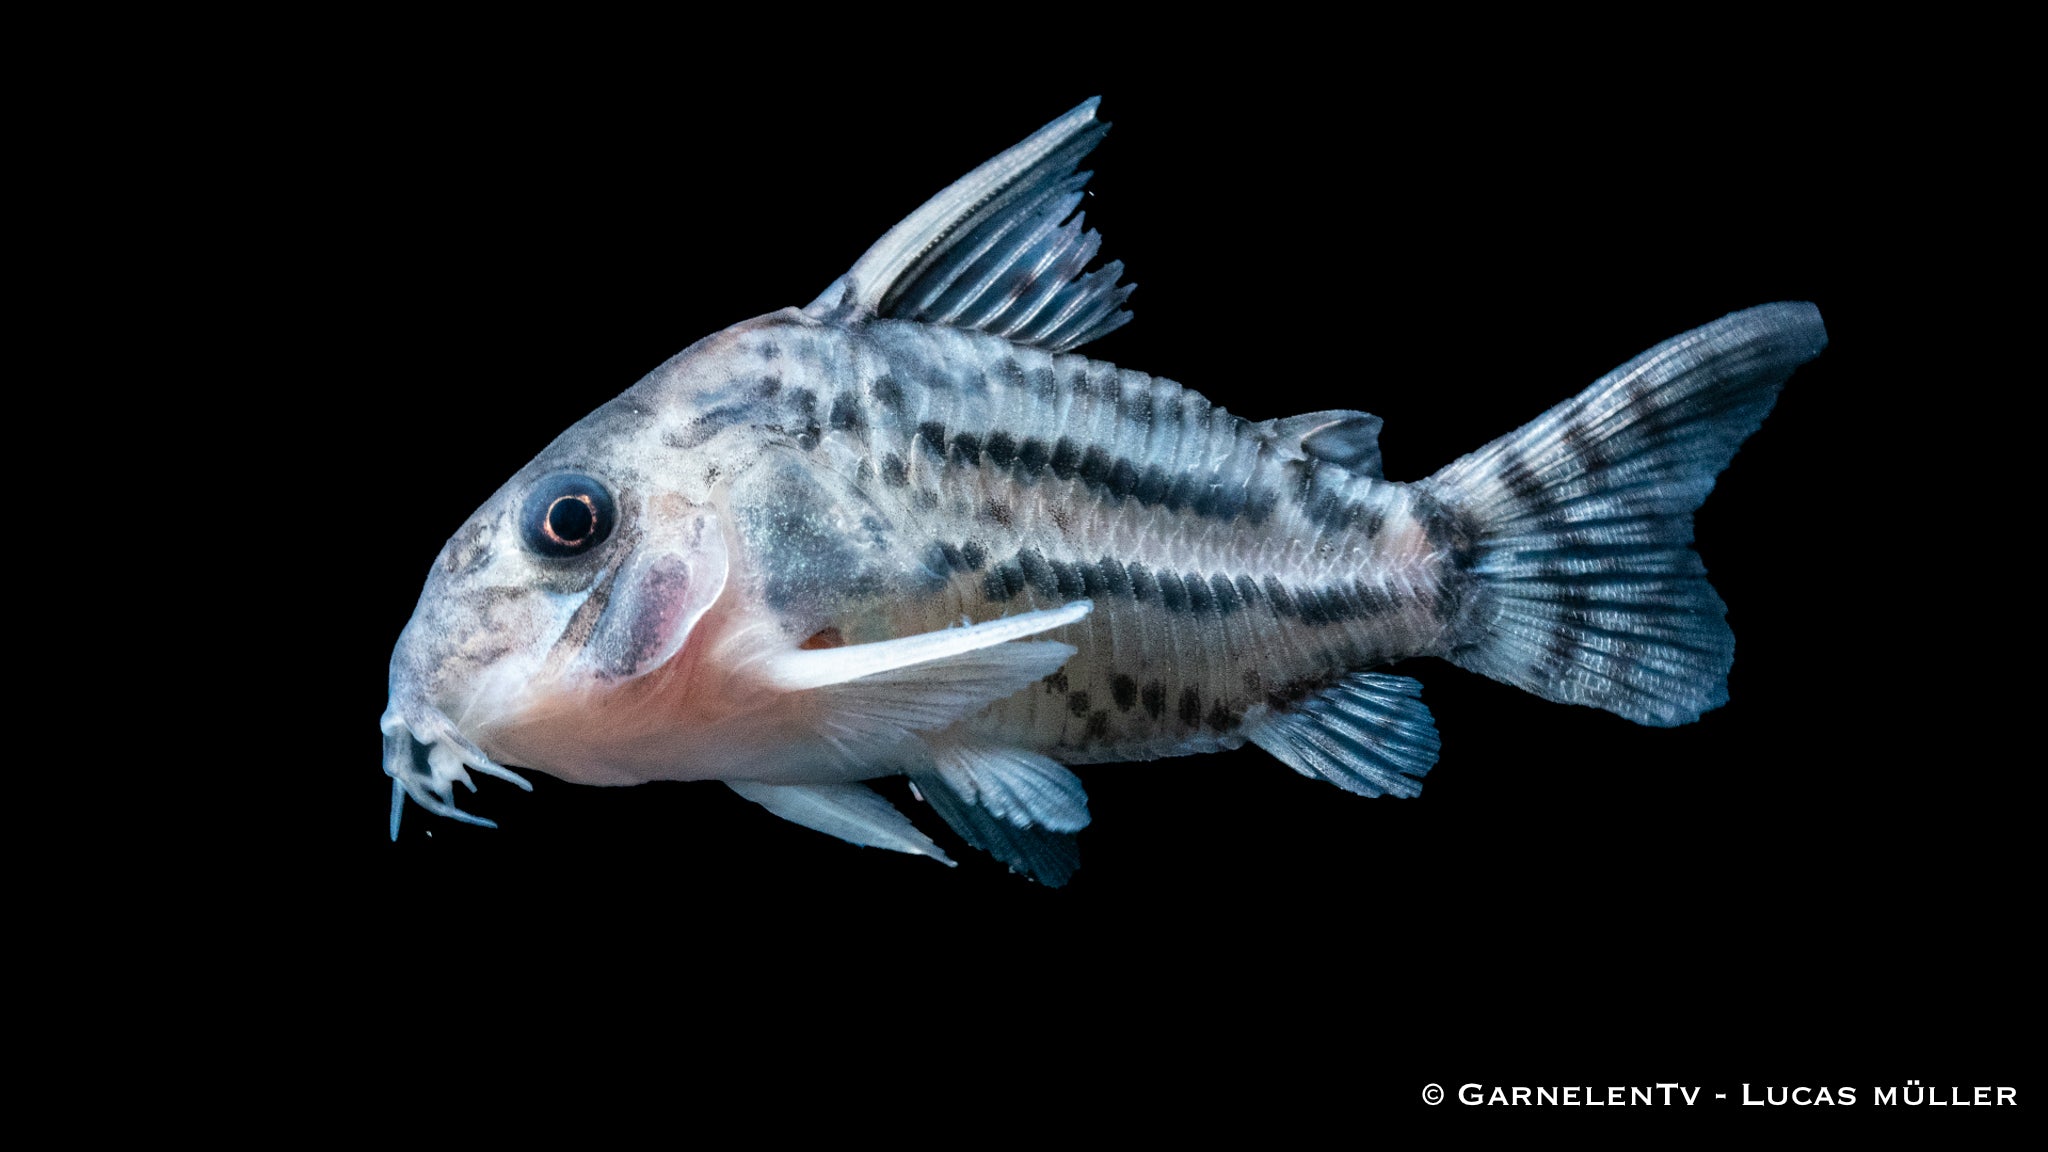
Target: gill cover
column 659, row 593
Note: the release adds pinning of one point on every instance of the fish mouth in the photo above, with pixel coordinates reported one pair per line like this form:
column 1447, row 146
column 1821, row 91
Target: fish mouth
column 426, row 756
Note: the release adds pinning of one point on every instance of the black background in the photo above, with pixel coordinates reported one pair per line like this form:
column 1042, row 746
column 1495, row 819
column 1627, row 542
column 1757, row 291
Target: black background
column 1817, row 883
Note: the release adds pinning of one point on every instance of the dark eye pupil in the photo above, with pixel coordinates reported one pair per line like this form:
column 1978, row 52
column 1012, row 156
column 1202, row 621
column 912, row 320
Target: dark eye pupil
column 571, row 518
column 567, row 514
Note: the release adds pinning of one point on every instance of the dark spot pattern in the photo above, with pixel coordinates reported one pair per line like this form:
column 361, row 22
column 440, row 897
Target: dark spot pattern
column 1223, row 594
column 942, row 558
column 1143, row 588
column 1031, row 458
column 1292, row 692
column 1004, row 581
column 1098, row 726
column 1309, row 608
column 1224, row 493
column 1078, row 703
column 1516, row 477
column 894, row 472
column 1171, row 593
column 1072, row 586
column 1137, row 406
column 1154, row 697
column 1191, row 707
column 1189, row 592
column 1248, row 591
column 1453, row 533
column 1124, row 691
column 1123, row 479
column 1116, row 580
column 1066, row 459
column 1558, row 650
column 889, row 395
column 1096, row 467
column 967, row 449
column 1037, row 572
column 1009, row 373
column 846, row 415
column 1001, row 449
column 1583, row 445
column 1372, row 599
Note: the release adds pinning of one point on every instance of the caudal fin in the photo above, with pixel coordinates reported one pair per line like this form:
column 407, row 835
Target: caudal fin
column 1587, row 589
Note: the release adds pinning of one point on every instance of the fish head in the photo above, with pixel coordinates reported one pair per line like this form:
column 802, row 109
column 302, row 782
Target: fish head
column 580, row 582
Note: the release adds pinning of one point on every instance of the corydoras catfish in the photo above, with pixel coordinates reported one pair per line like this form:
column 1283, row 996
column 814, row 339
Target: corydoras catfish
column 904, row 530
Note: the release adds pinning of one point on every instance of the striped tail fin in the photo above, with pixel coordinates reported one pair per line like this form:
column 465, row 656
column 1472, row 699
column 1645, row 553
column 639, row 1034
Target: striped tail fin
column 1586, row 588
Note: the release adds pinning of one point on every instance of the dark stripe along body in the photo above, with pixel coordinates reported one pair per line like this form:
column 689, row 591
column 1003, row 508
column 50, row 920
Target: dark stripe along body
column 1229, row 574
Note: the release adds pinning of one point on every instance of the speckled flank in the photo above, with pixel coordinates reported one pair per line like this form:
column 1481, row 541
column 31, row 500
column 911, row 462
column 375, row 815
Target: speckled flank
column 1218, row 563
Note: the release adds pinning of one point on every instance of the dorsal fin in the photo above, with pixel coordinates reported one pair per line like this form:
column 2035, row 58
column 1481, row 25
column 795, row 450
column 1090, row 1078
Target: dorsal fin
column 996, row 252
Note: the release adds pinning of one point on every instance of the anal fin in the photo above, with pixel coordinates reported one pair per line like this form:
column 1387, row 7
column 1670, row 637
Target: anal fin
column 1369, row 733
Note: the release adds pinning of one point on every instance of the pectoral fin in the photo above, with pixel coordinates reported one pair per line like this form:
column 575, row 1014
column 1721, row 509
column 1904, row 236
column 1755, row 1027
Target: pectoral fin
column 868, row 697
column 852, row 812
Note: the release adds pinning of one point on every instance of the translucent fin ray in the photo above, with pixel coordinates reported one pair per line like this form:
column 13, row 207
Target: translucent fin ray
column 854, row 813
column 1047, row 855
column 1588, row 591
column 816, row 668
column 1012, row 784
column 869, row 697
column 1350, row 440
column 996, row 251
column 1369, row 733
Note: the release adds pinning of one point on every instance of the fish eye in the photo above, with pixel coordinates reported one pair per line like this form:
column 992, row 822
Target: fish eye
column 566, row 515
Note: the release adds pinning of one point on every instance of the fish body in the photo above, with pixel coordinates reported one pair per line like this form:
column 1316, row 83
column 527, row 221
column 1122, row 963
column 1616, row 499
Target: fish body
column 906, row 530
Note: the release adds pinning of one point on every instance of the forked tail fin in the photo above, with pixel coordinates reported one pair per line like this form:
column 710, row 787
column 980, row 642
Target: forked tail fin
column 1587, row 590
